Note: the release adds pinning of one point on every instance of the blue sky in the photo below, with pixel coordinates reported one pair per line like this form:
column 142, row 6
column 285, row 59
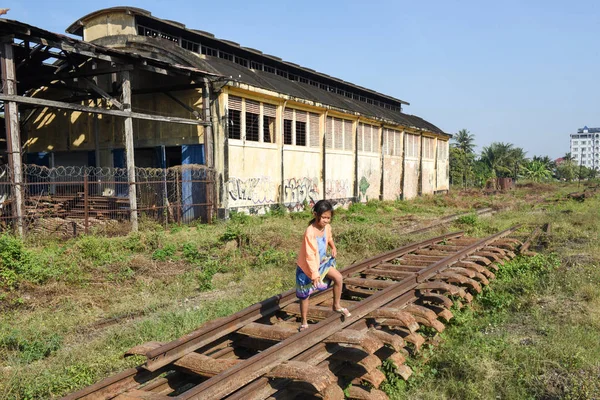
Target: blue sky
column 524, row 72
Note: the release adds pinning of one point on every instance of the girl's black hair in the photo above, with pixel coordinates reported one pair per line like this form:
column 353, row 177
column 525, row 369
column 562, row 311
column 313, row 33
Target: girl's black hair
column 319, row 208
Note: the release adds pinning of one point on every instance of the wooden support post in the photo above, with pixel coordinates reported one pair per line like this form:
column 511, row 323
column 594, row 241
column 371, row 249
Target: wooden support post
column 129, row 158
column 208, row 150
column 208, row 129
column 13, row 137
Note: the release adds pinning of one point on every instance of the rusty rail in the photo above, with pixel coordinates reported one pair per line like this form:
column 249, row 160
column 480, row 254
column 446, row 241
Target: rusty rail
column 398, row 292
column 240, row 375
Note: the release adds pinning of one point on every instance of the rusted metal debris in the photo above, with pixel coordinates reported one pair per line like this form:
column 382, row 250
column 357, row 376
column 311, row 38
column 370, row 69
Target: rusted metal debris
column 257, row 353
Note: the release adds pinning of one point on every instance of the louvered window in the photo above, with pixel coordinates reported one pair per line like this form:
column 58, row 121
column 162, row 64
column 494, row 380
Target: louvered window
column 412, row 145
column 338, row 135
column 288, row 116
column 252, row 118
column 361, row 136
column 368, row 138
column 397, row 143
column 386, row 137
column 428, row 148
column 301, row 118
column 442, row 150
column 314, row 129
column 329, row 133
column 269, row 122
column 348, row 135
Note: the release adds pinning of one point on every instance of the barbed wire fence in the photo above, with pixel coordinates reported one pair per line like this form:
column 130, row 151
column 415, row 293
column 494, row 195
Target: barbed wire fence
column 73, row 200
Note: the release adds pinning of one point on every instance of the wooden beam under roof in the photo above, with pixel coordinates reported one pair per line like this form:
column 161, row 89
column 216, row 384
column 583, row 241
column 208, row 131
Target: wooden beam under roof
column 97, row 110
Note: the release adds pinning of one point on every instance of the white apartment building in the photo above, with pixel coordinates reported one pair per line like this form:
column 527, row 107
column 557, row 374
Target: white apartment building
column 585, row 147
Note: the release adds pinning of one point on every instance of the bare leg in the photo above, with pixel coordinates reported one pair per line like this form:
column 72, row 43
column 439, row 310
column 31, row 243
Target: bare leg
column 304, row 311
column 336, row 277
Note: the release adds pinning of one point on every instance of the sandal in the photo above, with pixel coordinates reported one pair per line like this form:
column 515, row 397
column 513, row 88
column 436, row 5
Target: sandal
column 343, row 311
column 303, row 327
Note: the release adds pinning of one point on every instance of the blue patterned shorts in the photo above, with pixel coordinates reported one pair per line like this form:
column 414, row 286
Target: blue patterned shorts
column 304, row 285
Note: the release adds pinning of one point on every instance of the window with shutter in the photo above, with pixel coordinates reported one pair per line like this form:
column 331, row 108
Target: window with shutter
column 368, row 138
column 314, row 129
column 397, row 143
column 348, row 135
column 288, row 116
column 338, row 135
column 360, row 136
column 329, row 133
column 301, row 118
column 252, row 118
column 269, row 114
column 386, row 137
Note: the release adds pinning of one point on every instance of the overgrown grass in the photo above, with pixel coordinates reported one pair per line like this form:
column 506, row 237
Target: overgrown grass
column 53, row 292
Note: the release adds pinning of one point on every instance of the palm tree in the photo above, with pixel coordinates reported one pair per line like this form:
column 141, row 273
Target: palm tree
column 568, row 157
column 497, row 157
column 464, row 141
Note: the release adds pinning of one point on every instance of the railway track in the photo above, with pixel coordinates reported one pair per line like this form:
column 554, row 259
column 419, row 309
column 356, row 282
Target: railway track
column 257, row 353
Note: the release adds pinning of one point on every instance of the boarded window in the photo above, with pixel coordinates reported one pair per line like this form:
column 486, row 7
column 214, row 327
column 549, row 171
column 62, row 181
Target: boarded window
column 428, row 148
column 386, row 142
column 235, row 103
column 252, row 118
column 329, row 133
column 397, row 143
column 368, row 138
column 338, row 135
column 360, row 138
column 314, row 129
column 442, row 150
column 269, row 123
column 288, row 116
column 348, row 135
column 412, row 145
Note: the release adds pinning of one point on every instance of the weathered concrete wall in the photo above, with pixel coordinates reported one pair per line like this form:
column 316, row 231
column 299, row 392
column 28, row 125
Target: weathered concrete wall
column 339, row 175
column 369, row 176
column 412, row 154
column 109, row 24
column 443, row 167
column 428, row 185
column 392, row 177
column 302, row 177
column 254, row 177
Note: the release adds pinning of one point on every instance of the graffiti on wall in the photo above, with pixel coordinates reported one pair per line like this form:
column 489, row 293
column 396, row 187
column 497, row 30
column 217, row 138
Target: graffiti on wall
column 363, row 186
column 337, row 189
column 251, row 191
column 300, row 191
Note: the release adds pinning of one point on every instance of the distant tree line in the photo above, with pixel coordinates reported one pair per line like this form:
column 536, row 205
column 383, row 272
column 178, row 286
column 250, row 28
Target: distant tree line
column 505, row 160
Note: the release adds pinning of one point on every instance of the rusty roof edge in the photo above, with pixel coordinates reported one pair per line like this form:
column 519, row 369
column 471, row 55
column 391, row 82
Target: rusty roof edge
column 27, row 30
column 148, row 14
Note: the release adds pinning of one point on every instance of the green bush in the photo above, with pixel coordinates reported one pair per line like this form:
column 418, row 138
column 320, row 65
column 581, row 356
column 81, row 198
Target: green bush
column 30, row 350
column 167, row 252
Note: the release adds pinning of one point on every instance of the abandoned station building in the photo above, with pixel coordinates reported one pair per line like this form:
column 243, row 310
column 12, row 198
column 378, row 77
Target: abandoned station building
column 280, row 132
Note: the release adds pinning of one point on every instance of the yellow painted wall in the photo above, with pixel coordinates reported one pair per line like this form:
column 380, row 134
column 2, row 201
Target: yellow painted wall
column 302, row 176
column 254, row 175
column 392, row 177
column 108, row 25
column 428, row 185
column 339, row 174
column 369, row 176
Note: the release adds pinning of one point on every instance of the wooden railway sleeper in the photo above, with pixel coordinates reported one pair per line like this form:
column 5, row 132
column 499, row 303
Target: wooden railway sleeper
column 475, row 267
column 469, row 273
column 318, row 377
column 363, row 393
column 457, row 278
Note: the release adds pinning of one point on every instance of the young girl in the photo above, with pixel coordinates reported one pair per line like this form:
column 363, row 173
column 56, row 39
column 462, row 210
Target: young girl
column 316, row 270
